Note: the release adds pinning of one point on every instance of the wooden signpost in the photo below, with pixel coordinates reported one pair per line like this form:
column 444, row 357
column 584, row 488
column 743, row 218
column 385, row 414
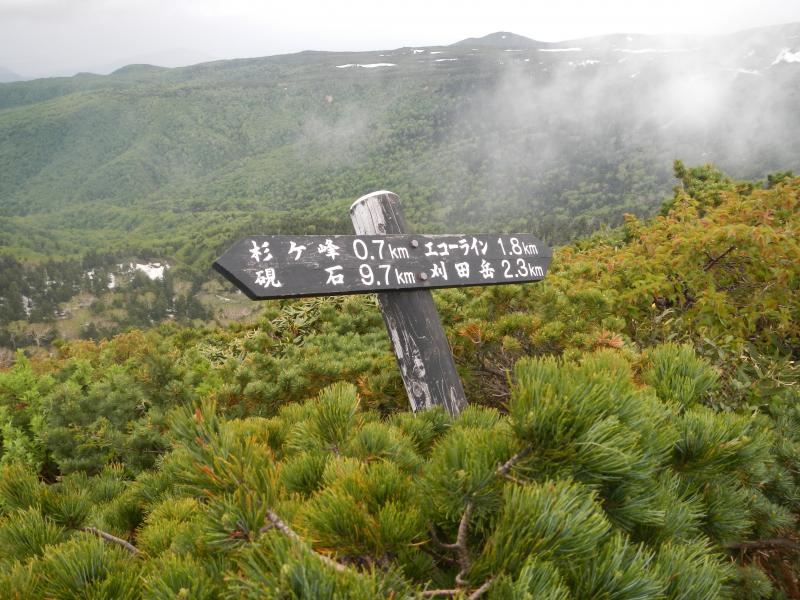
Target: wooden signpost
column 401, row 268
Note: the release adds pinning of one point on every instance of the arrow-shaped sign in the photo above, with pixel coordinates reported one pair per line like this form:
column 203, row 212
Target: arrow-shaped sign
column 283, row 266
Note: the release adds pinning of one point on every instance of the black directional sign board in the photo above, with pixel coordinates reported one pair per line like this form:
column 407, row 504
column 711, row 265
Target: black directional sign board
column 283, row 266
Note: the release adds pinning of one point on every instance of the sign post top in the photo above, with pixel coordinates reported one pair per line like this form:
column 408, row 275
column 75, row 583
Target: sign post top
column 366, row 197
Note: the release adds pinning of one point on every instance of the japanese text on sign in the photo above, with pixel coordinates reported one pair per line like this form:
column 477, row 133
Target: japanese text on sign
column 283, row 266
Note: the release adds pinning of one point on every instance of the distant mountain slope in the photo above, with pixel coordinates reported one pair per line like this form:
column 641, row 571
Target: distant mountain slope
column 7, row 76
column 176, row 57
column 555, row 138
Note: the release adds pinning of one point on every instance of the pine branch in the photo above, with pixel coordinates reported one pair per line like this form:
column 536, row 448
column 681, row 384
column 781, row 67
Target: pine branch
column 454, row 592
column 280, row 525
column 439, row 543
column 765, row 544
column 514, row 479
column 461, row 547
column 503, row 470
column 112, row 539
column 487, row 368
column 482, row 590
column 712, row 261
column 434, row 593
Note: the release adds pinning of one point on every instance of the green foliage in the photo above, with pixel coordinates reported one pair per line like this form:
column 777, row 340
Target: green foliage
column 693, row 573
column 462, row 470
column 329, row 500
column 423, row 429
column 302, row 474
column 180, row 577
column 617, row 571
column 370, row 512
column 549, row 520
column 21, row 414
column 19, row 488
column 26, row 533
column 277, row 568
column 678, row 375
column 87, row 420
column 122, row 514
column 18, row 582
column 88, row 568
column 334, row 418
column 171, row 526
column 537, row 579
column 68, row 505
column 753, row 583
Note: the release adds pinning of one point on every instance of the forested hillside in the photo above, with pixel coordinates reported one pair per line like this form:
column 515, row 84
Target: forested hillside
column 634, row 432
column 105, row 179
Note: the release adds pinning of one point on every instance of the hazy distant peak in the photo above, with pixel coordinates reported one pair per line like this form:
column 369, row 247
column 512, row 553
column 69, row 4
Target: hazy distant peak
column 7, row 76
column 176, row 57
column 138, row 68
column 501, row 39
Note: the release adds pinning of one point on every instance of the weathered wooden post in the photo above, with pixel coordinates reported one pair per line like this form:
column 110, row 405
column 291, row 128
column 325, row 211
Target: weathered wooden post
column 401, row 268
column 420, row 345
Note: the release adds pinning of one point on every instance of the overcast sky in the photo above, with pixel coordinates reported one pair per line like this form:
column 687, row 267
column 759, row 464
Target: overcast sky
column 61, row 37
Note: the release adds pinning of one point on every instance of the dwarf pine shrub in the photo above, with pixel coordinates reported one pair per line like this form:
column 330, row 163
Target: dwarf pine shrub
column 595, row 483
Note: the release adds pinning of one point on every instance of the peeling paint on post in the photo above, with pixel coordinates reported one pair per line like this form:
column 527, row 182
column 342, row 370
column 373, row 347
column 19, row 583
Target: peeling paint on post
column 420, row 345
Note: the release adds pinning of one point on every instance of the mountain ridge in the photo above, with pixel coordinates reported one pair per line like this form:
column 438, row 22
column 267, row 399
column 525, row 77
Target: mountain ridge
column 492, row 40
column 8, row 76
column 506, row 39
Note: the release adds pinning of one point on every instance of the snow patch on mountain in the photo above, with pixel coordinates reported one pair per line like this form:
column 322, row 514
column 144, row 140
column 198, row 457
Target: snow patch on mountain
column 560, row 49
column 652, row 50
column 445, row 59
column 369, row 66
column 152, row 270
column 787, row 56
column 583, row 63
